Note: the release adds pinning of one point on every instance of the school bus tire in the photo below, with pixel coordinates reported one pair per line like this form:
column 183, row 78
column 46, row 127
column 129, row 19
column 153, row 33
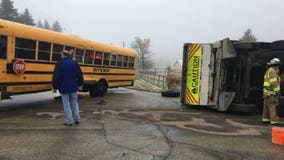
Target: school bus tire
column 99, row 89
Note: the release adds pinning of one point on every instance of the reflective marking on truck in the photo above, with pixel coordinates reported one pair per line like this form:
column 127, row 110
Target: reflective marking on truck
column 193, row 74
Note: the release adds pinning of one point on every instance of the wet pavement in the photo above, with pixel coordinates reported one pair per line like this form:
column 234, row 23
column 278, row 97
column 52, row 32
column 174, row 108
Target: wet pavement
column 133, row 125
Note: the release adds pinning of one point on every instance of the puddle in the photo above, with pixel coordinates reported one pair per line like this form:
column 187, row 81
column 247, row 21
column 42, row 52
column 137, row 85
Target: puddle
column 209, row 125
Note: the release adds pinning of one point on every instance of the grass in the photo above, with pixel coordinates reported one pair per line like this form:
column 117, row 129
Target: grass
column 146, row 86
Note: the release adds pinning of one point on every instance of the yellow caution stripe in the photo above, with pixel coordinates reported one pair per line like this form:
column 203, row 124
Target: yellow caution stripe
column 193, row 74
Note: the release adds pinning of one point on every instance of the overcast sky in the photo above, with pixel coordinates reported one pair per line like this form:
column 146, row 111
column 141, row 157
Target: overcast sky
column 169, row 23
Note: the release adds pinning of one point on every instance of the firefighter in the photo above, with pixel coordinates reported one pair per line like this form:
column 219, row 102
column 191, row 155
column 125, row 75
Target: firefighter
column 271, row 92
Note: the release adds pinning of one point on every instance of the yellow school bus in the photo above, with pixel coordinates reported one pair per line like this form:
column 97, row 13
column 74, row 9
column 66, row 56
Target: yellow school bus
column 28, row 56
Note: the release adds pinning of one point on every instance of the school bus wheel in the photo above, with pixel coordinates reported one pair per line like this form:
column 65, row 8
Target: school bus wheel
column 99, row 89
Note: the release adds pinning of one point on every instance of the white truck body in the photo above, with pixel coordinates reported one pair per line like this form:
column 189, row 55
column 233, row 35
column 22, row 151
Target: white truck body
column 226, row 73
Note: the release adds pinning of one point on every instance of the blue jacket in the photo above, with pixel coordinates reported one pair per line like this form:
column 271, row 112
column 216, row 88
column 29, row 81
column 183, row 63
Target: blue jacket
column 67, row 76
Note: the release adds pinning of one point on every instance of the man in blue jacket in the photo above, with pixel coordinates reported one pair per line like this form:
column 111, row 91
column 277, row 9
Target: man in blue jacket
column 67, row 78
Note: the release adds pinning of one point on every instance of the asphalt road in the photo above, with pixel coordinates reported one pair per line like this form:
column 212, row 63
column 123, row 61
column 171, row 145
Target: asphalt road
column 133, row 125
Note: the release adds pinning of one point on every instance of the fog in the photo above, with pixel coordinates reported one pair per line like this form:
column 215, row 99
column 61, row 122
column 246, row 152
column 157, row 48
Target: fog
column 168, row 23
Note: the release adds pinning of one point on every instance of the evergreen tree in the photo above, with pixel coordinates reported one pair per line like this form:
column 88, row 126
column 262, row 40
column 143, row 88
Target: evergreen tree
column 39, row 24
column 248, row 36
column 7, row 10
column 46, row 25
column 26, row 18
column 56, row 27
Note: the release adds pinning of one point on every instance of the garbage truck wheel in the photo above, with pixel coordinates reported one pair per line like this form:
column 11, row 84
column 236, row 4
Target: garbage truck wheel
column 170, row 93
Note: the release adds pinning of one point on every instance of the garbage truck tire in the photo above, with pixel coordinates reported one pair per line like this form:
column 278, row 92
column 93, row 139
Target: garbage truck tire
column 170, row 93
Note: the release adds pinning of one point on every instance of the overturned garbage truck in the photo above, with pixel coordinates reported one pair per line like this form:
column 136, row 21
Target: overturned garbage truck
column 227, row 74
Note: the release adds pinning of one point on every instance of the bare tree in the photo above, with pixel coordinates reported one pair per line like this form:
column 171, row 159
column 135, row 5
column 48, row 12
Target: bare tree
column 142, row 47
column 248, row 36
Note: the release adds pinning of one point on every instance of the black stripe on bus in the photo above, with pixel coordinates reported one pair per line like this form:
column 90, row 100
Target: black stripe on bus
column 85, row 65
column 120, row 80
column 118, row 74
column 38, row 72
column 39, row 83
column 39, row 62
column 23, row 83
column 121, row 86
column 17, row 93
column 87, row 73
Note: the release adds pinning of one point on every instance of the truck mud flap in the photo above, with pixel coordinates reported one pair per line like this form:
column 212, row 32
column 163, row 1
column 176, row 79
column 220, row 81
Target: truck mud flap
column 225, row 99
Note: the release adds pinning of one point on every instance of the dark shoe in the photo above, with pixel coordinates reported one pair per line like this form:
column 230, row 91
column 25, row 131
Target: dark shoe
column 77, row 122
column 275, row 124
column 265, row 122
column 67, row 124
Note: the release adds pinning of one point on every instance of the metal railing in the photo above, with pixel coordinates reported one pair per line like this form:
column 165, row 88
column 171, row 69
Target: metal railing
column 156, row 77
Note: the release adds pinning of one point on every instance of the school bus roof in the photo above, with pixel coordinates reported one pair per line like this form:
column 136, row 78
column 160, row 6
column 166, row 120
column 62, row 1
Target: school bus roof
column 35, row 33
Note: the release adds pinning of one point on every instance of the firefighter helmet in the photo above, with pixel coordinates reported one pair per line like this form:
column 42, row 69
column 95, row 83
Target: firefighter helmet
column 274, row 61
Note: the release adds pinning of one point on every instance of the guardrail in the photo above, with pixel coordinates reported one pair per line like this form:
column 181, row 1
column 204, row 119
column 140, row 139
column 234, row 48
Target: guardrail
column 157, row 78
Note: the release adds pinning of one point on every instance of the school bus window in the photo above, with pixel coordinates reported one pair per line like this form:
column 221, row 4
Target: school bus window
column 131, row 62
column 89, row 57
column 125, row 61
column 68, row 48
column 3, row 45
column 98, row 58
column 79, row 55
column 119, row 61
column 44, row 51
column 113, row 60
column 25, row 48
column 56, row 56
column 106, row 58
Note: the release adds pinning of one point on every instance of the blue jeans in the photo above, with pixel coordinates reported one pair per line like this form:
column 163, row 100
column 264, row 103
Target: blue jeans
column 70, row 100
